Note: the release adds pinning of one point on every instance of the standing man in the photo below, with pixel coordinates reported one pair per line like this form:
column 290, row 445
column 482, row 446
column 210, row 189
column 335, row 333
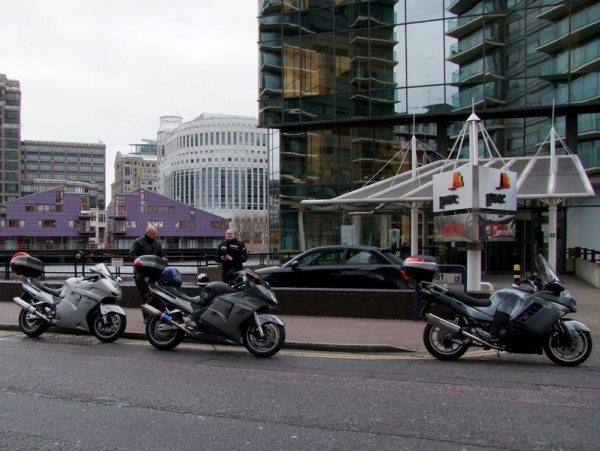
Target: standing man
column 232, row 254
column 147, row 244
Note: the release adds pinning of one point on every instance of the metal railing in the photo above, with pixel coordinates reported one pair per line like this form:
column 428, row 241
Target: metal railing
column 591, row 255
column 65, row 265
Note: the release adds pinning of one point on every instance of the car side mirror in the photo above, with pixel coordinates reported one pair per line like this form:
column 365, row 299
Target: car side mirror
column 294, row 264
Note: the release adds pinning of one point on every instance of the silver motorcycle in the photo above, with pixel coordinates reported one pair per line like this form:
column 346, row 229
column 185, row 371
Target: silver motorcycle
column 88, row 304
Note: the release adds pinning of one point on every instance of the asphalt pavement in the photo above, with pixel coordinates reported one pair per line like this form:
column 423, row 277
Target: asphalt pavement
column 358, row 334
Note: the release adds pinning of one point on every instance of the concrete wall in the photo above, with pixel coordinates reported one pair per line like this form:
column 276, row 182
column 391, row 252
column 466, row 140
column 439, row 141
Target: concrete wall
column 588, row 271
column 386, row 304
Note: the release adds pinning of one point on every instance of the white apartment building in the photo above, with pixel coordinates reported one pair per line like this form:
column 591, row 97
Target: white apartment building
column 216, row 162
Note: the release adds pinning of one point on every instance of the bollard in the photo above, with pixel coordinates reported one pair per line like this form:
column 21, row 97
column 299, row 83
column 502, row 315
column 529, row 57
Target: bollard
column 516, row 273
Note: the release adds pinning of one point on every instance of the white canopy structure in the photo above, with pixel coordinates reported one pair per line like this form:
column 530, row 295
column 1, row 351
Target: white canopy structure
column 549, row 178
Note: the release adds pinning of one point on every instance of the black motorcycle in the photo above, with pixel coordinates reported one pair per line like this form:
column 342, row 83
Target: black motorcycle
column 527, row 318
column 221, row 313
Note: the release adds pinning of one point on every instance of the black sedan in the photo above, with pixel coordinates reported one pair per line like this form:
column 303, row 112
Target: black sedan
column 339, row 267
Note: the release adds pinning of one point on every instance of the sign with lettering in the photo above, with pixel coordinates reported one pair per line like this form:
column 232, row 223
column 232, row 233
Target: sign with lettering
column 460, row 228
column 453, row 190
column 475, row 187
column 453, row 228
column 497, row 189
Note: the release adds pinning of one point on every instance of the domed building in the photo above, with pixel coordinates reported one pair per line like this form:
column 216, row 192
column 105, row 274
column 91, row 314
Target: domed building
column 217, row 163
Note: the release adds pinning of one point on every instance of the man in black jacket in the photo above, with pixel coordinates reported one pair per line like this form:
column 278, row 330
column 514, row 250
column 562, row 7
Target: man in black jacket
column 232, row 254
column 147, row 244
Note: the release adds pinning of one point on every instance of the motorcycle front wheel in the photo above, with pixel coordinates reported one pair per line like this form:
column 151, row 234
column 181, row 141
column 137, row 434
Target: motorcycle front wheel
column 442, row 344
column 263, row 346
column 108, row 328
column 163, row 336
column 566, row 351
column 30, row 324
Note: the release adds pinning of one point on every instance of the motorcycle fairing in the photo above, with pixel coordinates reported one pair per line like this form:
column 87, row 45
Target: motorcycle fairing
column 573, row 324
column 225, row 316
column 214, row 289
column 570, row 325
column 522, row 318
column 105, row 308
column 267, row 318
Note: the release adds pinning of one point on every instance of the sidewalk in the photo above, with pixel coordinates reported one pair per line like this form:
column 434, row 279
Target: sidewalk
column 358, row 334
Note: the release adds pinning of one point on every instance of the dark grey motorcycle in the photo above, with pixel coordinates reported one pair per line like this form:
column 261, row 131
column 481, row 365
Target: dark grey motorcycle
column 527, row 318
column 221, row 313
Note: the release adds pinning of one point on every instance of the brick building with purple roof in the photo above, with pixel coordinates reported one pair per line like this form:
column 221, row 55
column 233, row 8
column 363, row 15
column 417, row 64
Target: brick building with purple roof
column 61, row 220
column 179, row 225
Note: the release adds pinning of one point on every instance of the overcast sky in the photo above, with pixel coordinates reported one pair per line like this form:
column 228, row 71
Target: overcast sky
column 106, row 70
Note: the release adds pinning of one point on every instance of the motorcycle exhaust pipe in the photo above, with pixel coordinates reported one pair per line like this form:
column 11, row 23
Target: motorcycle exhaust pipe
column 457, row 331
column 165, row 318
column 31, row 309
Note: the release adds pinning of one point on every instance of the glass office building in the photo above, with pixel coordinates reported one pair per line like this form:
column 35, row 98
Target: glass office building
column 346, row 83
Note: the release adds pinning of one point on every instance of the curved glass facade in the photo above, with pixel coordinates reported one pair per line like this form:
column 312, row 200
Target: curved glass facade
column 347, row 83
column 216, row 163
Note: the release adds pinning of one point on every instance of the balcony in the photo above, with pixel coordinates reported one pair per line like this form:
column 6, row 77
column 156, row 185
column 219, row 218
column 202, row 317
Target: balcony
column 117, row 213
column 556, row 10
column 476, row 72
column 86, row 229
column 491, row 94
column 464, row 26
column 582, row 25
column 118, row 228
column 460, row 54
column 461, row 6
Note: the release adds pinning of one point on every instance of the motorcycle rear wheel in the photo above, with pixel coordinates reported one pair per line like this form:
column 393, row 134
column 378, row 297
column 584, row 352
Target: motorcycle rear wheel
column 267, row 345
column 109, row 327
column 563, row 351
column 165, row 340
column 441, row 344
column 29, row 324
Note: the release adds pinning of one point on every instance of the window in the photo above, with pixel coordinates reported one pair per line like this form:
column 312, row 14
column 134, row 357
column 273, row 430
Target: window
column 323, row 258
column 357, row 257
column 12, row 223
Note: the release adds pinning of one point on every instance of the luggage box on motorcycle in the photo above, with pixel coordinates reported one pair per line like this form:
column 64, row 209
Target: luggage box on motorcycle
column 420, row 267
column 150, row 265
column 27, row 266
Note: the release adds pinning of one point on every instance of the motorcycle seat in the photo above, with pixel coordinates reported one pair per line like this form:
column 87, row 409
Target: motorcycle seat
column 181, row 294
column 45, row 287
column 468, row 300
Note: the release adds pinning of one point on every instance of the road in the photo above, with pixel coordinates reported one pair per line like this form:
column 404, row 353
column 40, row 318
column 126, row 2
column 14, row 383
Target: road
column 64, row 392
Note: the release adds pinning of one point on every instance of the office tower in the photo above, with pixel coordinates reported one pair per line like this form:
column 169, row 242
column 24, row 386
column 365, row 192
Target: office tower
column 345, row 84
